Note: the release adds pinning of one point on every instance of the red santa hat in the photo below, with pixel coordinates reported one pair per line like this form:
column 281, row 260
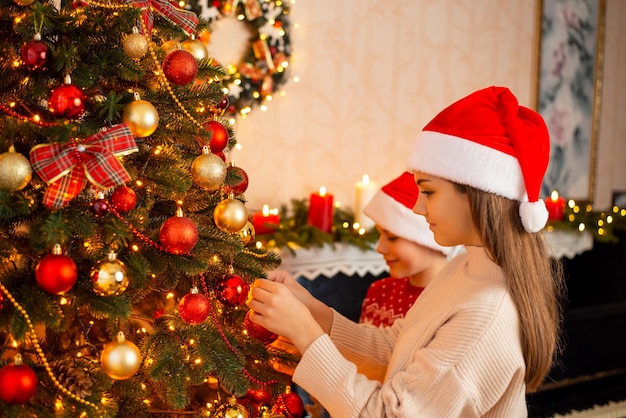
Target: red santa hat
column 391, row 208
column 488, row 141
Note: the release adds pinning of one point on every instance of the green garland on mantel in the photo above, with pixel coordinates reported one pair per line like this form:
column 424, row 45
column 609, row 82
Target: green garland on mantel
column 606, row 226
column 294, row 232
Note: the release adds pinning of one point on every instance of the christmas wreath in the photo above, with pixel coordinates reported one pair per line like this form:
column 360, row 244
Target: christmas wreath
column 262, row 70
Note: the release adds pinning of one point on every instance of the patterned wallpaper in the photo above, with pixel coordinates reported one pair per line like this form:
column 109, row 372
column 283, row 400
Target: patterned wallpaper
column 373, row 73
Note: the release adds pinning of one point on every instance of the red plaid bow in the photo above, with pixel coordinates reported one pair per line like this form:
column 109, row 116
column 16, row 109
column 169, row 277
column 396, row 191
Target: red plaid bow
column 95, row 160
column 185, row 19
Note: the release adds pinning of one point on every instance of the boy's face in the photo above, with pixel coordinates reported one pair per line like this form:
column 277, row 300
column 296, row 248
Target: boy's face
column 405, row 258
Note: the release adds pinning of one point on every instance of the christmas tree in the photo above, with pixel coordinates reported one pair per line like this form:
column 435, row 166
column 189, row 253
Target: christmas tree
column 126, row 253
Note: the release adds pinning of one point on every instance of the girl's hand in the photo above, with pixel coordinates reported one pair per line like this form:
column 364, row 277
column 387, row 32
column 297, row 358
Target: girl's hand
column 277, row 309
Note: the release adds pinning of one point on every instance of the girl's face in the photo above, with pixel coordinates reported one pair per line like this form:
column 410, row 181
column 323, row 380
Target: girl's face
column 447, row 211
column 405, row 258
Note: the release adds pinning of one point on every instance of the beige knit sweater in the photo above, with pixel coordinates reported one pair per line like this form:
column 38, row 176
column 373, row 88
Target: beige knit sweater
column 456, row 354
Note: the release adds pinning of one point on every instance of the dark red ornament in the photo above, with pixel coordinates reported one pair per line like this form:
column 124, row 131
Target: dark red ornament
column 180, row 67
column 178, row 234
column 241, row 184
column 34, row 53
column 99, row 207
column 223, row 104
column 232, row 290
column 219, row 139
column 124, row 199
column 289, row 404
column 67, row 101
column 194, row 307
column 56, row 273
column 18, row 382
column 257, row 331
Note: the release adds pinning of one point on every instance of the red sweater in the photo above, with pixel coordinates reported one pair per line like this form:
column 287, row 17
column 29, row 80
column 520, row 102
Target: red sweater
column 388, row 299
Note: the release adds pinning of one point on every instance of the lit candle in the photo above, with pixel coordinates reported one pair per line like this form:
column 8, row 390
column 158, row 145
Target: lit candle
column 265, row 221
column 555, row 205
column 364, row 191
column 321, row 210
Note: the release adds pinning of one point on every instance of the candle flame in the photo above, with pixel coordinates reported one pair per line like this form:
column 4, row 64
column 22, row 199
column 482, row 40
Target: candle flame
column 266, row 210
column 322, row 191
column 554, row 196
column 365, row 180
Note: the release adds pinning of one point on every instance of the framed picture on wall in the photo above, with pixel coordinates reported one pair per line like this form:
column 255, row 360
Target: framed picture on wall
column 569, row 80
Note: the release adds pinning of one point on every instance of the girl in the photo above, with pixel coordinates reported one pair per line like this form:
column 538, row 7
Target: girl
column 485, row 330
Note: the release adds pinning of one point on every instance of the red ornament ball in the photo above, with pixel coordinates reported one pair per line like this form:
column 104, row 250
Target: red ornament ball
column 259, row 396
column 178, row 235
column 258, row 332
column 180, row 67
column 223, row 104
column 240, row 184
column 99, row 207
column 124, row 199
column 34, row 54
column 289, row 404
column 194, row 308
column 232, row 290
column 219, row 140
column 18, row 383
column 67, row 101
column 56, row 273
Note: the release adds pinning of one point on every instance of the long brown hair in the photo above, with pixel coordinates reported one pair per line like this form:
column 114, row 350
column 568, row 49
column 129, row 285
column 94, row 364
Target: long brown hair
column 534, row 280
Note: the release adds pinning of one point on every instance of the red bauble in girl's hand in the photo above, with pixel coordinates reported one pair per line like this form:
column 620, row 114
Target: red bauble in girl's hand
column 56, row 273
column 194, row 307
column 18, row 383
column 257, row 331
column 232, row 290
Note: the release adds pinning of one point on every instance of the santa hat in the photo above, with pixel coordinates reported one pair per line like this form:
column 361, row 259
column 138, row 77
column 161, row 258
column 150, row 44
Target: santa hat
column 391, row 208
column 488, row 141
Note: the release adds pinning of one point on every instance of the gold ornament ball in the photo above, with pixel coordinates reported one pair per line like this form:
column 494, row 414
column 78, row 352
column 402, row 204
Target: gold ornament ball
column 169, row 46
column 232, row 409
column 15, row 171
column 120, row 359
column 142, row 118
column 196, row 48
column 247, row 233
column 230, row 215
column 208, row 171
column 135, row 45
column 109, row 277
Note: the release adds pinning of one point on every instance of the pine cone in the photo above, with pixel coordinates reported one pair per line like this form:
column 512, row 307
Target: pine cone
column 72, row 377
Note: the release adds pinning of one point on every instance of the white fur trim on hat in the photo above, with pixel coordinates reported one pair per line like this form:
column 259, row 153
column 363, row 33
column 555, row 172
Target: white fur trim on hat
column 396, row 218
column 467, row 162
column 534, row 215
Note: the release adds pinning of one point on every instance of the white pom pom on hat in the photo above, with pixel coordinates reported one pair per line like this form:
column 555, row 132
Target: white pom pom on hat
column 488, row 141
column 391, row 208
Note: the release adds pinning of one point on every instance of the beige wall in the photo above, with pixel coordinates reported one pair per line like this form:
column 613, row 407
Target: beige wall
column 372, row 73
